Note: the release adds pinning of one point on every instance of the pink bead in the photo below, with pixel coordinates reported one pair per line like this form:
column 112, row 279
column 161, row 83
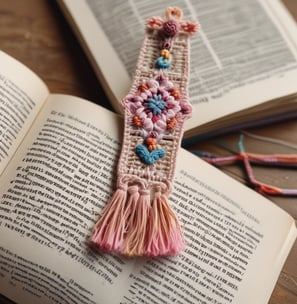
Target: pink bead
column 166, row 45
column 170, row 27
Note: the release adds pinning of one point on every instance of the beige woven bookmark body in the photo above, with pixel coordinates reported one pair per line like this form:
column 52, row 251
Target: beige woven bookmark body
column 138, row 219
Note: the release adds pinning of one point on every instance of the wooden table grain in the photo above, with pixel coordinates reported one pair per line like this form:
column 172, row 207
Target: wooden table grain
column 36, row 33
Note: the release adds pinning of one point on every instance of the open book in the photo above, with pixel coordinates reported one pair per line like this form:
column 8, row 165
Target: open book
column 57, row 159
column 243, row 61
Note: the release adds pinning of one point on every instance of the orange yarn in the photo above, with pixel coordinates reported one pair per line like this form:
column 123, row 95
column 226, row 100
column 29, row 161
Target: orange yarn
column 171, row 123
column 155, row 23
column 175, row 93
column 151, row 143
column 174, row 12
column 143, row 87
column 137, row 121
column 165, row 53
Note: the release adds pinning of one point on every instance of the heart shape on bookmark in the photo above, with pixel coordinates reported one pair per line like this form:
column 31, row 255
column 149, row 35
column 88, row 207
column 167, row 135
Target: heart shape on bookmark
column 149, row 157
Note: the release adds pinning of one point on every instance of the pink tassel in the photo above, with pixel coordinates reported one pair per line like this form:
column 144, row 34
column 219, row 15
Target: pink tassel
column 109, row 230
column 131, row 207
column 134, row 244
column 164, row 235
column 131, row 204
column 132, row 226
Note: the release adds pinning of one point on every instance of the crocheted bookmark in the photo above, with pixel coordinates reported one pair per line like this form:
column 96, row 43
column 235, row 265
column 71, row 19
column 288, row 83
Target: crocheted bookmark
column 138, row 219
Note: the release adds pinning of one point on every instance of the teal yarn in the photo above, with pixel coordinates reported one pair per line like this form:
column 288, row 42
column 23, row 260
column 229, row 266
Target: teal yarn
column 163, row 63
column 148, row 157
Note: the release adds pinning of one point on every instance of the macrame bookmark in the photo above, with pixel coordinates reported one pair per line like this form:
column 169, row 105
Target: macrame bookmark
column 138, row 220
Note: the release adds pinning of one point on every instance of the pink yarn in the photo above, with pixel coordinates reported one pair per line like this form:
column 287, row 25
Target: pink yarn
column 164, row 235
column 155, row 87
column 166, row 44
column 109, row 231
column 190, row 27
column 136, row 229
column 154, row 23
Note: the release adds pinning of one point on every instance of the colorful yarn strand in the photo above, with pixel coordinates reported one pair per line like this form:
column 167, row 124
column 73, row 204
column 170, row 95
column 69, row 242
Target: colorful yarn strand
column 248, row 158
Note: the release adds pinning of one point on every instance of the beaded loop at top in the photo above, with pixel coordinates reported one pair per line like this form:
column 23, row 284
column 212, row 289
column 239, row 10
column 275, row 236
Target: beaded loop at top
column 174, row 12
column 172, row 24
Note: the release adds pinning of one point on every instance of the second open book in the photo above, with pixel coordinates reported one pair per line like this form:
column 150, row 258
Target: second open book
column 58, row 157
column 243, row 61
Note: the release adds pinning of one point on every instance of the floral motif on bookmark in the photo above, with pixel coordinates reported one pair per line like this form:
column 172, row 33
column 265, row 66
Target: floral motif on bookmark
column 138, row 219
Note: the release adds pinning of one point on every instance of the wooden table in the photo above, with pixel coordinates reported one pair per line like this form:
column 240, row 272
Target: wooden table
column 36, row 33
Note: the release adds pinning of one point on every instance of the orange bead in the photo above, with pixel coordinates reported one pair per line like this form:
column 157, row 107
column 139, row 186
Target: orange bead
column 137, row 121
column 142, row 87
column 152, row 147
column 165, row 53
column 171, row 123
column 175, row 93
column 151, row 141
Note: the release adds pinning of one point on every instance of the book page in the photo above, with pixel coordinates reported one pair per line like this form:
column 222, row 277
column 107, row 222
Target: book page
column 232, row 241
column 22, row 94
column 51, row 197
column 56, row 187
column 243, row 55
column 108, row 67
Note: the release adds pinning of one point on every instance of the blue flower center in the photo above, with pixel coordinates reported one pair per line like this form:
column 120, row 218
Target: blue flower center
column 156, row 104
